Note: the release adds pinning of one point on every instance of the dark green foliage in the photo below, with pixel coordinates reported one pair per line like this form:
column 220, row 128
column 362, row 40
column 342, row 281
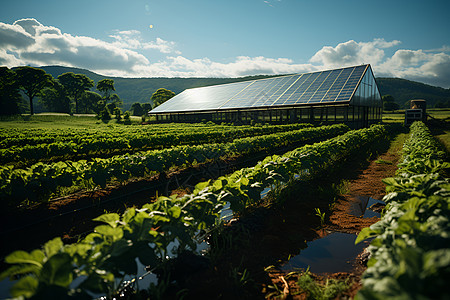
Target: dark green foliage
column 9, row 92
column 105, row 116
column 137, row 109
column 410, row 255
column 55, row 98
column 75, row 86
column 389, row 103
column 126, row 118
column 404, row 90
column 32, row 81
column 106, row 86
column 146, row 234
column 90, row 102
column 39, row 181
column 161, row 96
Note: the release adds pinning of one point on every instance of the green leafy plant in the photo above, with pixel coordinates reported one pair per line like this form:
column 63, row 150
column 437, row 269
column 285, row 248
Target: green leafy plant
column 330, row 290
column 98, row 261
column 410, row 257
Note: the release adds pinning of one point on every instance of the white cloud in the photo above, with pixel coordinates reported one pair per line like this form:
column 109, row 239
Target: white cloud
column 353, row 53
column 131, row 39
column 28, row 42
column 179, row 66
column 419, row 65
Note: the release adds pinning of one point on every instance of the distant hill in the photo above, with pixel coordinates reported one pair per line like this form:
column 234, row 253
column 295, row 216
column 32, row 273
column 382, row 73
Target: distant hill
column 132, row 90
column 404, row 90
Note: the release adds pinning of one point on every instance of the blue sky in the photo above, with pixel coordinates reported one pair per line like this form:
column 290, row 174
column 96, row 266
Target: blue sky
column 218, row 38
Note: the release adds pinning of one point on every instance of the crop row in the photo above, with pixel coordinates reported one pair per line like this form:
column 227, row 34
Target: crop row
column 115, row 142
column 410, row 255
column 34, row 136
column 38, row 182
column 149, row 233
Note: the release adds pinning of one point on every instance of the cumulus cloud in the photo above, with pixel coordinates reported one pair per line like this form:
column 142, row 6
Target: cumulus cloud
column 179, row 66
column 353, row 53
column 28, row 42
column 419, row 65
column 428, row 66
column 131, row 39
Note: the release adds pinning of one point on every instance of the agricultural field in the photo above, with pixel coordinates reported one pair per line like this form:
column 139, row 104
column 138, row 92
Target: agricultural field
column 94, row 210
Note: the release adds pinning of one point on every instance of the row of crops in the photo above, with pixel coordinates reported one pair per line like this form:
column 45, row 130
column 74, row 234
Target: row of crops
column 42, row 180
column 20, row 146
column 410, row 255
column 100, row 261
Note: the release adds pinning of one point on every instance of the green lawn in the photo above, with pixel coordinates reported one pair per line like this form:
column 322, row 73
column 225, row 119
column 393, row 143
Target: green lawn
column 399, row 115
column 59, row 121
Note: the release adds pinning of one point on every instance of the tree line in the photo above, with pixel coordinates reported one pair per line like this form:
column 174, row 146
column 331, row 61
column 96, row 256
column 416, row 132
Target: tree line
column 68, row 93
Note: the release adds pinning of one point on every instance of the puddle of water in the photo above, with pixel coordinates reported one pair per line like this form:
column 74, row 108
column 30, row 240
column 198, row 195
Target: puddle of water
column 361, row 208
column 370, row 213
column 5, row 285
column 332, row 253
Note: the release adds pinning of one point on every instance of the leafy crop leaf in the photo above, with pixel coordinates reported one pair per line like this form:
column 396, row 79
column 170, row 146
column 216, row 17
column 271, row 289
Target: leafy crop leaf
column 36, row 257
column 365, row 233
column 175, row 212
column 53, row 246
column 111, row 219
column 57, row 270
column 115, row 233
column 26, row 287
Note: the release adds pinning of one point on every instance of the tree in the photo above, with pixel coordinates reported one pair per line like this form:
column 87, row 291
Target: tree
column 389, row 103
column 137, row 109
column 91, row 101
column 161, row 96
column 32, row 81
column 146, row 107
column 55, row 98
column 76, row 85
column 9, row 92
column 106, row 86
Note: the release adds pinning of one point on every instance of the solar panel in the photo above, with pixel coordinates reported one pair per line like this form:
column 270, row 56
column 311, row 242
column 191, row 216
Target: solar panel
column 310, row 88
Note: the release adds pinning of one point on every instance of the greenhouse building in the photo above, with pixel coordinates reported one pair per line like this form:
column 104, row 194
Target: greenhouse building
column 347, row 95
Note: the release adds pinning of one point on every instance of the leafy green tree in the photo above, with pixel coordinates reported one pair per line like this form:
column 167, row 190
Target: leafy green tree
column 90, row 102
column 106, row 86
column 389, row 103
column 137, row 109
column 55, row 98
column 118, row 114
column 116, row 102
column 76, row 85
column 9, row 92
column 146, row 107
column 32, row 81
column 161, row 96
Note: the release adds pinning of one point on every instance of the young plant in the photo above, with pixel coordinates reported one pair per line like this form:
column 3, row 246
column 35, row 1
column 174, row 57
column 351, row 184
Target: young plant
column 321, row 215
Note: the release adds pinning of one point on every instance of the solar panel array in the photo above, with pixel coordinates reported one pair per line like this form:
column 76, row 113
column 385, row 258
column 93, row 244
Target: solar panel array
column 310, row 88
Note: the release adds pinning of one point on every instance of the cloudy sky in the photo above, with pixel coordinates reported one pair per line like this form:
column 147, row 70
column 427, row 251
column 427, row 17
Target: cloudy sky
column 229, row 38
